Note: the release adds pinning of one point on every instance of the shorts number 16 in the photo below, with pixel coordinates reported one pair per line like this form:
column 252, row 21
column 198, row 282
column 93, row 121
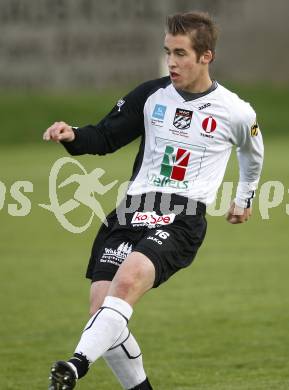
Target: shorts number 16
column 162, row 234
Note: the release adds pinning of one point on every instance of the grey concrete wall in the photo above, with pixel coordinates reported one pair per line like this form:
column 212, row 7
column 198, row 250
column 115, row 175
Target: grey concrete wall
column 254, row 41
column 70, row 44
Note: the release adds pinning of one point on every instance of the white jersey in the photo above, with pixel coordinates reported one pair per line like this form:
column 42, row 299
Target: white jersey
column 186, row 140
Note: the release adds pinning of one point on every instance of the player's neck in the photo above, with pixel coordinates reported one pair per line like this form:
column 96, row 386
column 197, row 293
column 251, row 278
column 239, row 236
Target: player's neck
column 202, row 84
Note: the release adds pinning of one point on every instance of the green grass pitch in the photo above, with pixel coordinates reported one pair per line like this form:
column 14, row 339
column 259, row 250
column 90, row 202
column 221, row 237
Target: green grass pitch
column 221, row 324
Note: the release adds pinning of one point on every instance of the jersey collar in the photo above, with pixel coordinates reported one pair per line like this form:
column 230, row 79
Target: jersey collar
column 187, row 96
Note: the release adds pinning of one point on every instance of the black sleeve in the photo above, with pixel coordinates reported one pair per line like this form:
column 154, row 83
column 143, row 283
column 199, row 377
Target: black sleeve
column 121, row 126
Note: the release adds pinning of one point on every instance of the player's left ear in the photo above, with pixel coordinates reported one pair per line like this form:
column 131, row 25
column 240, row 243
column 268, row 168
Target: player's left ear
column 206, row 57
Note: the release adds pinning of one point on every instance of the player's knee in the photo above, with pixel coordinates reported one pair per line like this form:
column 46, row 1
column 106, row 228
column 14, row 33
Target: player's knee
column 125, row 285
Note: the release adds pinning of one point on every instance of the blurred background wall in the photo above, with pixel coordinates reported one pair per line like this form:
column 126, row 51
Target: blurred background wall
column 70, row 44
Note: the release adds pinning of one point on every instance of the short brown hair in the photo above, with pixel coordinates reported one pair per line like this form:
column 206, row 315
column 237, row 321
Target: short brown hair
column 199, row 26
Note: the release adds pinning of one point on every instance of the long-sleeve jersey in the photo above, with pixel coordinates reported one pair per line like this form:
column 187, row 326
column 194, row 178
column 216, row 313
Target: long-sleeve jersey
column 186, row 140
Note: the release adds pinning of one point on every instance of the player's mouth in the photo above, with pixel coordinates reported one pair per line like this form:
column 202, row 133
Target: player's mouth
column 174, row 76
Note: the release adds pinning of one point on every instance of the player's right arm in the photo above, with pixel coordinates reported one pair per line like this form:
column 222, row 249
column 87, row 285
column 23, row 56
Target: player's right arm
column 123, row 124
column 59, row 132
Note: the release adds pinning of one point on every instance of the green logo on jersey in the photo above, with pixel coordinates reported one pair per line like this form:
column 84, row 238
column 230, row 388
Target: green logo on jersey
column 173, row 169
column 175, row 163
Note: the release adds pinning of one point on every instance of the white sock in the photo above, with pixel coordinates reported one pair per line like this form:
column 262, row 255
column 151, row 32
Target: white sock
column 104, row 328
column 125, row 360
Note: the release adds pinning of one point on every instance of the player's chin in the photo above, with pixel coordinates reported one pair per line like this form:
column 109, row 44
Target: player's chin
column 177, row 83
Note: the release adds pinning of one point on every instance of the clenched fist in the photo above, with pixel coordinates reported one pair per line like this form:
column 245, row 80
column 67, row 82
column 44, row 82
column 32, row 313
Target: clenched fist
column 59, row 131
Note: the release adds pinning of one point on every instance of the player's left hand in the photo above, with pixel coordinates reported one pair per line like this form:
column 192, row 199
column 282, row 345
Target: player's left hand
column 237, row 214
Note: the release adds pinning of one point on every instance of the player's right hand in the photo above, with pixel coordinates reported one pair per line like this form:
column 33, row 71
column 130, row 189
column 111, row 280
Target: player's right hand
column 59, row 131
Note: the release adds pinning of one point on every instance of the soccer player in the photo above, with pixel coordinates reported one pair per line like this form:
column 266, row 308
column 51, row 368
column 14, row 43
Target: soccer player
column 188, row 124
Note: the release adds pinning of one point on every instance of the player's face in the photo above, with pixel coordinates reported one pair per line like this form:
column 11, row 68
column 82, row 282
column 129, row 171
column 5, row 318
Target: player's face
column 187, row 71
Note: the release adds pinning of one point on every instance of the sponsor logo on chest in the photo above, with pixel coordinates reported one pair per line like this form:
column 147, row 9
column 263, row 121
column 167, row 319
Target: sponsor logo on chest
column 175, row 163
column 158, row 115
column 209, row 125
column 173, row 168
column 204, row 125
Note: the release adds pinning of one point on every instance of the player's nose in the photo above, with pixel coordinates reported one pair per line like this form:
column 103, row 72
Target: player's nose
column 171, row 63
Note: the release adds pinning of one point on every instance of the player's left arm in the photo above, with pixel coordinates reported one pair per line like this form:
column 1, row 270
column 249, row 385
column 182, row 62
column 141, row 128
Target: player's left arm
column 250, row 152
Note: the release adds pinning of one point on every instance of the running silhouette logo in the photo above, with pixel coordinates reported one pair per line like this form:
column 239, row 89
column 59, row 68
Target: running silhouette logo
column 175, row 163
column 89, row 185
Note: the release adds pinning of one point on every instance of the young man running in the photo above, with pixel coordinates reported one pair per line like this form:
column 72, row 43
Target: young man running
column 188, row 124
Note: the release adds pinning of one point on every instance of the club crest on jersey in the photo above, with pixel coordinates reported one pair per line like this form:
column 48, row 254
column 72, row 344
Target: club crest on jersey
column 183, row 118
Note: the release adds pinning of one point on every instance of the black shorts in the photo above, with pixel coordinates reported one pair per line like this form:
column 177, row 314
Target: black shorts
column 169, row 240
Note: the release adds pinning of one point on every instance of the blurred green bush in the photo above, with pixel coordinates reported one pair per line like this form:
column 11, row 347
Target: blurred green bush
column 24, row 117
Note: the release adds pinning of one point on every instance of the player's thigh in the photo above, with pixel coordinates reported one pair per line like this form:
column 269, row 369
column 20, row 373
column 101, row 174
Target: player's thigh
column 174, row 246
column 98, row 291
column 134, row 277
